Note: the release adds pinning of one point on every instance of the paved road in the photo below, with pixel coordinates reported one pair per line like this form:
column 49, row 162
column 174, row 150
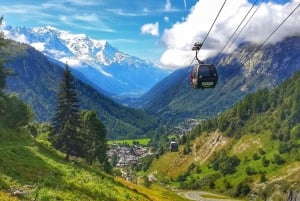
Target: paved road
column 204, row 196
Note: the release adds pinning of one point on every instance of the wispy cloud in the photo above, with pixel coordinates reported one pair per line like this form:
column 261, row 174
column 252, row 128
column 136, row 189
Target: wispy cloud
column 83, row 2
column 152, row 29
column 91, row 26
column 121, row 12
column 168, row 5
column 87, row 17
column 179, row 39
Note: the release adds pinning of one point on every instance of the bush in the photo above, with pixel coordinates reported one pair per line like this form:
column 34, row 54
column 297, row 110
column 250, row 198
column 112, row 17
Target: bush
column 250, row 171
column 284, row 148
column 265, row 162
column 242, row 189
column 14, row 112
column 227, row 184
column 255, row 157
column 295, row 132
column 224, row 163
column 212, row 185
column 261, row 151
column 263, row 177
column 278, row 159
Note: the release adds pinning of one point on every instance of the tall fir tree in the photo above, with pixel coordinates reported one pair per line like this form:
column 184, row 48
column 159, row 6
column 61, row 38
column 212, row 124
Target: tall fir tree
column 65, row 135
column 94, row 134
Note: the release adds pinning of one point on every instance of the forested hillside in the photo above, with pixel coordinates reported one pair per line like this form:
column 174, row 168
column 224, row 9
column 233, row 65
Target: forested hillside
column 36, row 81
column 250, row 150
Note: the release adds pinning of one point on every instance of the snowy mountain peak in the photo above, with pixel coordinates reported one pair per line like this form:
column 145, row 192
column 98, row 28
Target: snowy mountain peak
column 75, row 49
column 44, row 29
column 99, row 62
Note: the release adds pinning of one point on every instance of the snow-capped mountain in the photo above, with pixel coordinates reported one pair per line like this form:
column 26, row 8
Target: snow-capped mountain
column 93, row 61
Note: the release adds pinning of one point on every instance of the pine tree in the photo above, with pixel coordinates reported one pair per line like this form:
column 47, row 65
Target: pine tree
column 65, row 135
column 94, row 135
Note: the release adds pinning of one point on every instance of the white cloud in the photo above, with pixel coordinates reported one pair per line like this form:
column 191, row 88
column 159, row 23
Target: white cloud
column 71, row 61
column 39, row 46
column 166, row 19
column 168, row 5
column 152, row 29
column 16, row 37
column 179, row 39
column 83, row 3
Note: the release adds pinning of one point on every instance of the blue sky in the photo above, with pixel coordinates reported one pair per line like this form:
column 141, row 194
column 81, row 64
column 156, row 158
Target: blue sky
column 159, row 30
column 118, row 21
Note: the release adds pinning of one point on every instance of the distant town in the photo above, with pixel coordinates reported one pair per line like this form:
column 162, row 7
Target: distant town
column 122, row 155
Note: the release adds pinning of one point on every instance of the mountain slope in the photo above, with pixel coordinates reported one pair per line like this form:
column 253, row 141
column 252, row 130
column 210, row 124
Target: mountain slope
column 174, row 100
column 96, row 61
column 251, row 150
column 36, row 81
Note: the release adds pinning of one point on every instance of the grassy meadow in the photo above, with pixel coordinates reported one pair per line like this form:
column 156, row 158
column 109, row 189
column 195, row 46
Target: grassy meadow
column 143, row 141
column 32, row 170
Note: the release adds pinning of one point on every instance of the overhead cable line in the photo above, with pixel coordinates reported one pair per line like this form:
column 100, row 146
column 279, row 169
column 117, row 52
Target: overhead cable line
column 278, row 27
column 238, row 28
column 214, row 22
column 275, row 30
column 242, row 29
column 245, row 25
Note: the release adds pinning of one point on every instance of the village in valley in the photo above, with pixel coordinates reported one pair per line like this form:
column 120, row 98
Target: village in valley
column 123, row 155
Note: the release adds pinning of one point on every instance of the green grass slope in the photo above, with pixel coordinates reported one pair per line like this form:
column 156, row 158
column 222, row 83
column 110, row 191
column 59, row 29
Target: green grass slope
column 31, row 169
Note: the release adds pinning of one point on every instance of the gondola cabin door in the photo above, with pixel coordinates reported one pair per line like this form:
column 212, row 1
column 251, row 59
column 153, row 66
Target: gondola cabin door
column 204, row 76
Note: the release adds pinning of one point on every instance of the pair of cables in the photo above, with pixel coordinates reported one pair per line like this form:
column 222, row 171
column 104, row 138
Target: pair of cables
column 265, row 41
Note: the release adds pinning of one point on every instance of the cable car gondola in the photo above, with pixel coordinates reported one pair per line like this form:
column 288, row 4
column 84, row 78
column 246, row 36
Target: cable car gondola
column 203, row 75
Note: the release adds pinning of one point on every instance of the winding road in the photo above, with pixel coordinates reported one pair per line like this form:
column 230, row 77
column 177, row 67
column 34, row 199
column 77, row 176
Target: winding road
column 204, row 196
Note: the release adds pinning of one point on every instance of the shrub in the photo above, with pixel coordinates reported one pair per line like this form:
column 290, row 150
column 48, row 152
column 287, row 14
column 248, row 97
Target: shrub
column 265, row 162
column 278, row 159
column 261, row 151
column 263, row 177
column 250, row 171
column 242, row 189
column 227, row 184
column 255, row 157
column 284, row 148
